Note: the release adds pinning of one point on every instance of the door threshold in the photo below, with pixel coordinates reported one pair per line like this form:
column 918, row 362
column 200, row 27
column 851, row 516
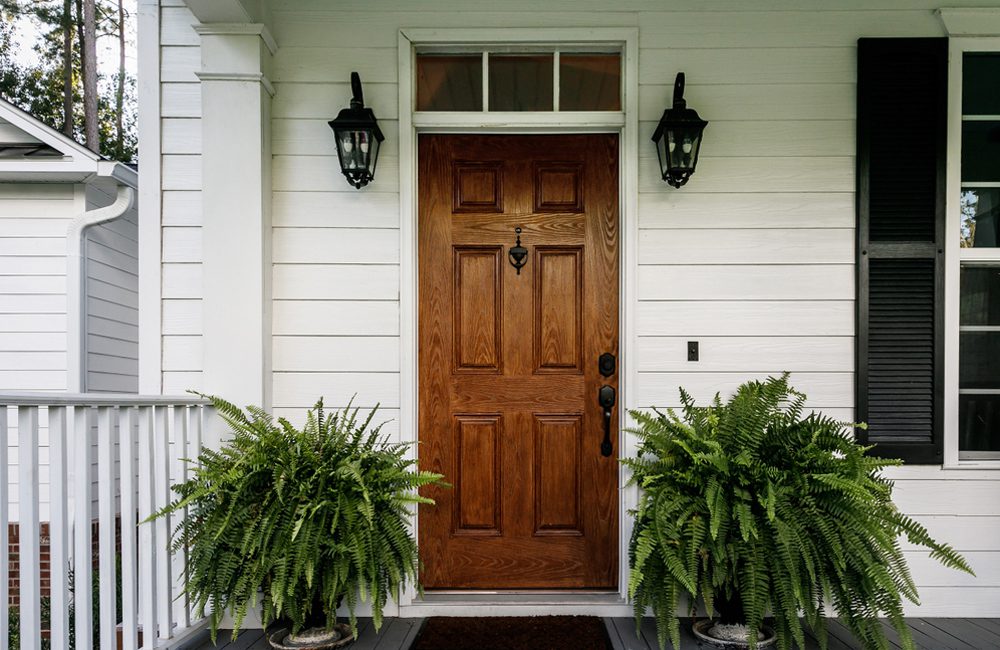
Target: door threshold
column 518, row 603
column 519, row 597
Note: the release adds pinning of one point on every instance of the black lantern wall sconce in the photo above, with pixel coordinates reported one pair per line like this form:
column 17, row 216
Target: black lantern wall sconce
column 678, row 138
column 358, row 138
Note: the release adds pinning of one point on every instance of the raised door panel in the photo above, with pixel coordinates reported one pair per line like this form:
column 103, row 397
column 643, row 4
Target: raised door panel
column 558, row 302
column 558, row 186
column 477, row 475
column 477, row 186
column 557, row 464
column 477, row 303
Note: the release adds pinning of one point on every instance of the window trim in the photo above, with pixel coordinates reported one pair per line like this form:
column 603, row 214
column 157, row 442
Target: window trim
column 955, row 255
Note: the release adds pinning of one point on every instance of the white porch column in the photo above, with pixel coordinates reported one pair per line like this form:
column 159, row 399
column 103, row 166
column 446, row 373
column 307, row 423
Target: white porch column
column 236, row 198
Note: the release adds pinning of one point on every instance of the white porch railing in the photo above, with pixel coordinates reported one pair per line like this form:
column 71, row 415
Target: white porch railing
column 120, row 452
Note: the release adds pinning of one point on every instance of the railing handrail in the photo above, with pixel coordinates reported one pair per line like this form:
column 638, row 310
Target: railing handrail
column 19, row 398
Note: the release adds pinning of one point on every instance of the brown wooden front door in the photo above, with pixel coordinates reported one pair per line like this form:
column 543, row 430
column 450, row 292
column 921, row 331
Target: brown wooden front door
column 509, row 376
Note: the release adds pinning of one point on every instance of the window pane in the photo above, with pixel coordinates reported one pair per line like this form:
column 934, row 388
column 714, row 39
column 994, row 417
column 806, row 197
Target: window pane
column 981, row 84
column 590, row 82
column 979, row 353
column 980, row 217
column 980, row 151
column 449, row 82
column 979, row 422
column 980, row 297
column 521, row 82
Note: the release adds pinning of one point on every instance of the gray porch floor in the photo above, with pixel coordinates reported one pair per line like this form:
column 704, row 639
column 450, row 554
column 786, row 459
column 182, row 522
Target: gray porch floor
column 928, row 634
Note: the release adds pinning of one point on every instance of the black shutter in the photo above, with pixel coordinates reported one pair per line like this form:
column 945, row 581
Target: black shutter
column 902, row 142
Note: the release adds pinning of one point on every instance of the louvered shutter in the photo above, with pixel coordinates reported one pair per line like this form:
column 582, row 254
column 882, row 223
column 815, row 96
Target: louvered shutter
column 902, row 140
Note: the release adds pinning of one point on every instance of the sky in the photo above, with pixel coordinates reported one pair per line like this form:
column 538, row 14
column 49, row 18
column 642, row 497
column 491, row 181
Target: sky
column 28, row 32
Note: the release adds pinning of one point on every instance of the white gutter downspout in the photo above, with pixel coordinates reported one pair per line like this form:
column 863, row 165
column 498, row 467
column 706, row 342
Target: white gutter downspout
column 76, row 259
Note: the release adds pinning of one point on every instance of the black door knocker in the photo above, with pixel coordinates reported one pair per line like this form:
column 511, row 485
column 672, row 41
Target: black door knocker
column 518, row 254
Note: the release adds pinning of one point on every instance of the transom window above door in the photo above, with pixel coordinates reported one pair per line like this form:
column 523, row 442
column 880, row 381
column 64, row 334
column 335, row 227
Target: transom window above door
column 512, row 80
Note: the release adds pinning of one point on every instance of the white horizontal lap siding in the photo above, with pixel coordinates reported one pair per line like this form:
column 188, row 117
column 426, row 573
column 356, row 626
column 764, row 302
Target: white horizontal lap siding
column 111, row 302
column 33, row 222
column 754, row 258
column 335, row 249
column 34, row 218
column 181, row 208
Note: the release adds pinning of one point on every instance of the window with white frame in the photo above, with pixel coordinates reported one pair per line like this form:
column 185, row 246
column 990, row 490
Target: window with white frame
column 979, row 259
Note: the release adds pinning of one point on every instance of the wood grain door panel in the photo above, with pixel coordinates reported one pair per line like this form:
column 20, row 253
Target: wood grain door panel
column 508, row 362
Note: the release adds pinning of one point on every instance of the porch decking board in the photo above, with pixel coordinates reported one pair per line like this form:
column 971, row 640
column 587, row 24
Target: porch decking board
column 977, row 636
column 928, row 634
column 936, row 637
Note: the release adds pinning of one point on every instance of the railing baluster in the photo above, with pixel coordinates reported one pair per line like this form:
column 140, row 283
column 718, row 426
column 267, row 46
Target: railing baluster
column 58, row 528
column 147, row 538
column 163, row 525
column 4, row 541
column 176, row 476
column 126, row 448
column 106, row 526
column 83, row 549
column 28, row 532
column 196, row 413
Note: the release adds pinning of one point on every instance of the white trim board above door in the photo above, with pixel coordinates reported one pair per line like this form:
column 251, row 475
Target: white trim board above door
column 625, row 123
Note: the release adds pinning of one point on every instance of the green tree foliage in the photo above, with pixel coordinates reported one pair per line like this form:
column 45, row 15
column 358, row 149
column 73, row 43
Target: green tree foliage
column 750, row 499
column 37, row 87
column 308, row 516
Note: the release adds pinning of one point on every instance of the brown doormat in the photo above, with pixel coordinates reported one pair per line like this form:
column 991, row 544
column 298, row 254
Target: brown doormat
column 513, row 633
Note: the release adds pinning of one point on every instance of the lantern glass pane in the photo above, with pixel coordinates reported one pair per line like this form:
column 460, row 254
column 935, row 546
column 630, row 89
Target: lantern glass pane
column 521, row 82
column 449, row 82
column 358, row 149
column 682, row 146
column 590, row 82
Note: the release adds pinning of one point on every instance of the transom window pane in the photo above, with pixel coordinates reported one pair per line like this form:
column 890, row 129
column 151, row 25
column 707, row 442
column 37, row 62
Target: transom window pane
column 590, row 82
column 521, row 82
column 518, row 81
column 449, row 82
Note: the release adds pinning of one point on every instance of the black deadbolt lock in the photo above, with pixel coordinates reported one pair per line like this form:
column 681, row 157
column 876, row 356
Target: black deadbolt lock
column 606, row 364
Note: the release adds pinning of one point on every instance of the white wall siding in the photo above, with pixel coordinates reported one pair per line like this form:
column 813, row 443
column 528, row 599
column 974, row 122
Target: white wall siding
column 181, row 213
column 33, row 223
column 111, row 301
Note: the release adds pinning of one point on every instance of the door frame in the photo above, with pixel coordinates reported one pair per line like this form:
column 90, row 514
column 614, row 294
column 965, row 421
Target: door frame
column 626, row 124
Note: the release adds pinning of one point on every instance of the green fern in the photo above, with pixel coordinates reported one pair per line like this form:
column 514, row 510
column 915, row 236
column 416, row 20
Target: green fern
column 750, row 500
column 309, row 517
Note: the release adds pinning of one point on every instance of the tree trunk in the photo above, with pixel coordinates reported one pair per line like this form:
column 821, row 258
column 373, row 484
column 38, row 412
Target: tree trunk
column 67, row 29
column 120, row 92
column 89, row 56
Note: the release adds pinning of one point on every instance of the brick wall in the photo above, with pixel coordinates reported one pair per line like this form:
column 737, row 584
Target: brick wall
column 45, row 568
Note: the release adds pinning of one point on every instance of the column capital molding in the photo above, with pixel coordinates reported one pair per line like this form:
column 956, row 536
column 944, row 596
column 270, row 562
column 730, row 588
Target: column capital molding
column 247, row 77
column 239, row 29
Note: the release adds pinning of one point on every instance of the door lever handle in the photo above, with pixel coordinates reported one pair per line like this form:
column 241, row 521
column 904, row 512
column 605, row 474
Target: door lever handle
column 606, row 398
